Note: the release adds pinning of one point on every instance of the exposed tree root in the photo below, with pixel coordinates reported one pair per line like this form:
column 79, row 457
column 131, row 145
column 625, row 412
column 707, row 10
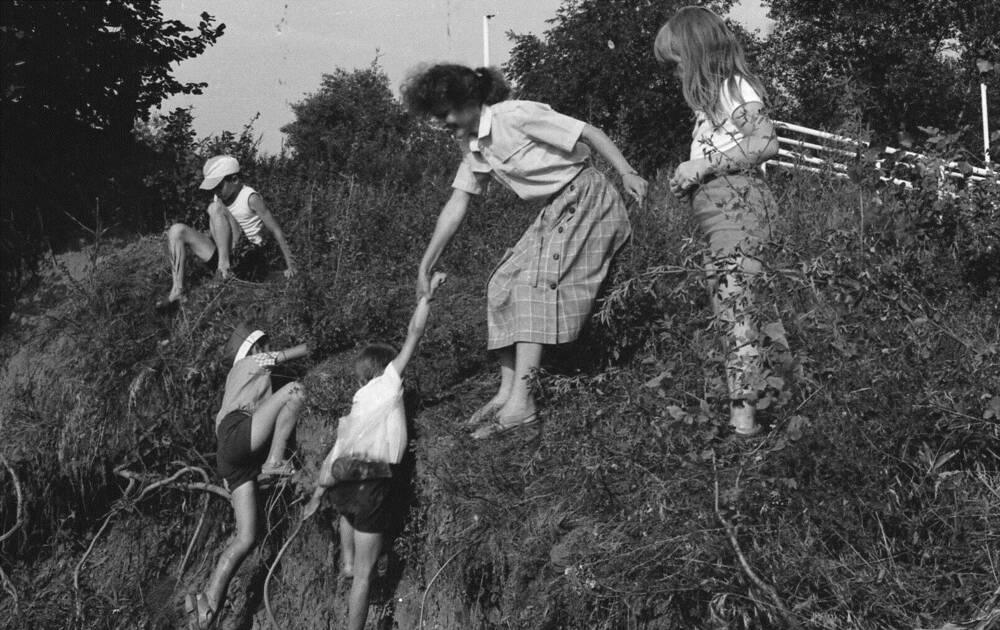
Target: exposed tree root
column 127, row 501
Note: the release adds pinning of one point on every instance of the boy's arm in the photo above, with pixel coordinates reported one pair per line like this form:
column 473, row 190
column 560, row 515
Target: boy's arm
column 417, row 324
column 256, row 203
column 295, row 352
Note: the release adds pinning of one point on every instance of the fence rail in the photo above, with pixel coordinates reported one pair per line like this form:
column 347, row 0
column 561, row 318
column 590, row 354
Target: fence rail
column 804, row 149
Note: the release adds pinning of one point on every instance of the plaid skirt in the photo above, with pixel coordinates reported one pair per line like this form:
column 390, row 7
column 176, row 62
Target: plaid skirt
column 544, row 288
column 734, row 212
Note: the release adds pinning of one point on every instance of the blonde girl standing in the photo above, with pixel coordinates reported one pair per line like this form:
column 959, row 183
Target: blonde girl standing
column 733, row 207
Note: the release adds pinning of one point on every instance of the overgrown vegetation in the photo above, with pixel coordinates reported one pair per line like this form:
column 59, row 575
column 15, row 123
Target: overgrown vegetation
column 873, row 500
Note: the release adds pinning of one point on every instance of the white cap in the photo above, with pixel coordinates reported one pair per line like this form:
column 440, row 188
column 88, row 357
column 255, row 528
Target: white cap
column 216, row 168
column 247, row 344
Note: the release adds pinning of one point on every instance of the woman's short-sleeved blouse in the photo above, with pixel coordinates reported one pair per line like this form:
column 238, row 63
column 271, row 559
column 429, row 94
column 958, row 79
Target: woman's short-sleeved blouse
column 526, row 146
column 709, row 138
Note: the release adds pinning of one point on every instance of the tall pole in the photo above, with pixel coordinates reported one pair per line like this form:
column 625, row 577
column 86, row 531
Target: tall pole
column 984, row 66
column 486, row 38
column 986, row 123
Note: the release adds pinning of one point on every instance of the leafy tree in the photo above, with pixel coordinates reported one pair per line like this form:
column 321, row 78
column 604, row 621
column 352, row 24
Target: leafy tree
column 75, row 78
column 894, row 65
column 596, row 63
column 350, row 124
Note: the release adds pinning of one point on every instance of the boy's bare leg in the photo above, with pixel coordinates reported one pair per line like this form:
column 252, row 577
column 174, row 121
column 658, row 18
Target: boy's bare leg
column 366, row 550
column 226, row 233
column 505, row 357
column 245, row 510
column 179, row 237
column 520, row 404
column 275, row 419
column 346, row 548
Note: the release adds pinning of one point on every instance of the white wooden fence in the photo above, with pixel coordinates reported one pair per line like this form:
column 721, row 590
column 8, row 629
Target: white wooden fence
column 810, row 150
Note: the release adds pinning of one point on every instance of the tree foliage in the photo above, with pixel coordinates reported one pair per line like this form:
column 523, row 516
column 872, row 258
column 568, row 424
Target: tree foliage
column 895, row 65
column 349, row 123
column 76, row 77
column 596, row 63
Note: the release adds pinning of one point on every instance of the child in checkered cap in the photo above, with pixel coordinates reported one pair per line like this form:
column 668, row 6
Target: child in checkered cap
column 252, row 427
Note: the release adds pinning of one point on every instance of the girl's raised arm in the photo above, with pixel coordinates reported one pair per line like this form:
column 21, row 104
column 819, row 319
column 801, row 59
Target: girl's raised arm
column 295, row 352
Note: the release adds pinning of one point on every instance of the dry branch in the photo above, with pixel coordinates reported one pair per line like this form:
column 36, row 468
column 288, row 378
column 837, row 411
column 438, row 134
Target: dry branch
column 20, row 501
column 763, row 586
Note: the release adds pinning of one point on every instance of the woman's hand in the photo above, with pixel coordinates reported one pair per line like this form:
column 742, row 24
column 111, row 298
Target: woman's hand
column 687, row 175
column 635, row 186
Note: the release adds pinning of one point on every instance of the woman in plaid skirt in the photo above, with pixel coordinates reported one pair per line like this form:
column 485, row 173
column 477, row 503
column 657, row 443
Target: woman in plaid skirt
column 543, row 290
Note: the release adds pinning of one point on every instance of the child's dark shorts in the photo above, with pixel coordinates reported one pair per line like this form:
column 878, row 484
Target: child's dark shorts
column 247, row 259
column 364, row 504
column 235, row 461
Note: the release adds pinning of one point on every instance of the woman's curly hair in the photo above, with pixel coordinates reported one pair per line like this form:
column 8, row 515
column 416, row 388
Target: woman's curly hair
column 434, row 90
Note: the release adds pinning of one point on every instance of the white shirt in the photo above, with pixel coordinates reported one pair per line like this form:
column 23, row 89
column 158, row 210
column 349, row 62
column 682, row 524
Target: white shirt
column 528, row 147
column 249, row 221
column 709, row 138
column 375, row 430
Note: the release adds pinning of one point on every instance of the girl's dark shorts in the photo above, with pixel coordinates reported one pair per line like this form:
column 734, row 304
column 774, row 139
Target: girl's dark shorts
column 364, row 504
column 235, row 461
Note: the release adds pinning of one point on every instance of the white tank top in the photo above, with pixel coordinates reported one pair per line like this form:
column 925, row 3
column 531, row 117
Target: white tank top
column 249, row 221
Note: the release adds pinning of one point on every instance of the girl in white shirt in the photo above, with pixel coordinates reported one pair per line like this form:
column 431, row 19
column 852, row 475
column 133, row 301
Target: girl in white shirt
column 732, row 136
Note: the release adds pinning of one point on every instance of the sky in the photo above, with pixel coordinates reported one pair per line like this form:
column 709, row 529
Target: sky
column 275, row 52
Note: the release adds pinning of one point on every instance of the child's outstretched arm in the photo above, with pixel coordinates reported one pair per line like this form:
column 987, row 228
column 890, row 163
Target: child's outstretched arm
column 288, row 354
column 607, row 149
column 323, row 481
column 417, row 324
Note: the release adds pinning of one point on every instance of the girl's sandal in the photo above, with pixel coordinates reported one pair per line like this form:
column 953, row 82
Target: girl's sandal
column 486, row 413
column 498, row 428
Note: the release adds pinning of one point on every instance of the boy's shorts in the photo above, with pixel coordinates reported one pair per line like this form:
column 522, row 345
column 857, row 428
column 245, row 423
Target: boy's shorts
column 363, row 504
column 235, row 461
column 247, row 260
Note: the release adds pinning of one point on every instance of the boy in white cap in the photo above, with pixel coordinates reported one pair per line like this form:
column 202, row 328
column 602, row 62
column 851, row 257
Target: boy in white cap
column 237, row 210
column 252, row 428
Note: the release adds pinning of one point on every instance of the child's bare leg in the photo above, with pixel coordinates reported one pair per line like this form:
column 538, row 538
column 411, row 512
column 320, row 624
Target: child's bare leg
column 520, row 403
column 275, row 419
column 346, row 548
column 288, row 416
column 505, row 357
column 179, row 237
column 367, row 548
column 244, row 500
column 732, row 301
column 220, row 224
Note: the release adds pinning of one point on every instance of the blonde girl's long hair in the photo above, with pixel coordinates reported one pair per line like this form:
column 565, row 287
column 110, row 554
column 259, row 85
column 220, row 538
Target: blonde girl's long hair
column 710, row 56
